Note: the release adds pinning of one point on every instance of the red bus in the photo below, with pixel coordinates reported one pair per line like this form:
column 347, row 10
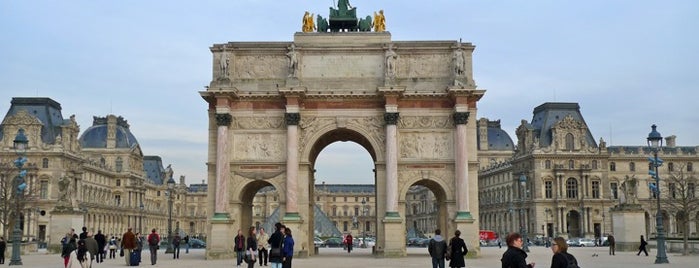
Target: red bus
column 487, row 235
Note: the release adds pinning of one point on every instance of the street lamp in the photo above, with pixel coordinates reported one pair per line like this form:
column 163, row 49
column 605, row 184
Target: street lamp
column 655, row 142
column 523, row 228
column 170, row 188
column 20, row 146
column 140, row 218
column 364, row 213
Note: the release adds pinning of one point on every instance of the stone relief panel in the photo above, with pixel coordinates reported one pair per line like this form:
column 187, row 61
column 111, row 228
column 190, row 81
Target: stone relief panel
column 424, row 66
column 430, row 122
column 372, row 125
column 266, row 122
column 328, row 66
column 259, row 66
column 309, row 125
column 406, row 177
column 268, row 147
column 422, row 145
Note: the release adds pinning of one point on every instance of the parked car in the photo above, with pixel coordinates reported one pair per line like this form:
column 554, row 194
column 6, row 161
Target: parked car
column 586, row 242
column 334, row 242
column 196, row 243
column 412, row 241
column 318, row 242
column 573, row 242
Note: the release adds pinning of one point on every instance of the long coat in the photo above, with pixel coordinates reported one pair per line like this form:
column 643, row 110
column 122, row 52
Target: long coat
column 276, row 240
column 458, row 251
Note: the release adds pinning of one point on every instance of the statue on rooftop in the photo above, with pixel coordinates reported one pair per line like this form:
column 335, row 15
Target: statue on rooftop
column 308, row 24
column 379, row 22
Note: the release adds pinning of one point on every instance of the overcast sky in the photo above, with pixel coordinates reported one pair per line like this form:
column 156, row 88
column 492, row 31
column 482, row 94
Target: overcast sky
column 628, row 63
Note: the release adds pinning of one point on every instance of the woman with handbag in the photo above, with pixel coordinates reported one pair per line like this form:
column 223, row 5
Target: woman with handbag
column 276, row 241
column 251, row 249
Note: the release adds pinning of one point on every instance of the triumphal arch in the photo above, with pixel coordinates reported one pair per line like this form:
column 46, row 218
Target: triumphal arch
column 273, row 106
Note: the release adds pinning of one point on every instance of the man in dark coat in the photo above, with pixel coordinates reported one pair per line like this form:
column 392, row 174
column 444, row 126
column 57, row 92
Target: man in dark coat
column 101, row 242
column 458, row 250
column 515, row 257
column 437, row 247
column 275, row 244
column 91, row 245
column 128, row 243
column 3, row 246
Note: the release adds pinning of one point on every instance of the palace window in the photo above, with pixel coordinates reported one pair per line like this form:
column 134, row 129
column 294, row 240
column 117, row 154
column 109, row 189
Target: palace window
column 45, row 163
column 356, row 211
column 572, row 188
column 549, row 189
column 689, row 167
column 44, row 190
column 334, row 211
column 571, row 164
column 595, row 189
column 548, row 164
column 632, row 166
column 570, row 142
column 119, row 164
column 690, row 190
column 673, row 193
column 615, row 190
column 117, row 200
column 670, row 166
column 612, row 166
column 594, row 164
column 118, row 183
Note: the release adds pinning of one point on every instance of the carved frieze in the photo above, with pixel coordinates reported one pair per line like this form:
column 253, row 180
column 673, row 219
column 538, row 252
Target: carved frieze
column 424, row 66
column 429, row 122
column 260, row 66
column 268, row 147
column 427, row 145
column 258, row 122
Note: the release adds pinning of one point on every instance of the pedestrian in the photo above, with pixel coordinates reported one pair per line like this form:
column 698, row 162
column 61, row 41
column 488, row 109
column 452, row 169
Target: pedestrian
column 561, row 258
column 514, row 256
column 176, row 246
column 186, row 244
column 262, row 246
column 642, row 247
column 153, row 246
column 139, row 247
column 349, row 241
column 458, row 250
column 112, row 247
column 128, row 244
column 276, row 242
column 288, row 249
column 80, row 257
column 83, row 235
column 499, row 242
column 92, row 245
column 437, row 249
column 3, row 246
column 239, row 247
column 612, row 244
column 68, row 247
column 101, row 244
column 251, row 248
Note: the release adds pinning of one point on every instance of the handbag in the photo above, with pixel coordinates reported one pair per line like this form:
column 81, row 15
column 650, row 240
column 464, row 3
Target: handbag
column 249, row 256
column 276, row 252
column 121, row 253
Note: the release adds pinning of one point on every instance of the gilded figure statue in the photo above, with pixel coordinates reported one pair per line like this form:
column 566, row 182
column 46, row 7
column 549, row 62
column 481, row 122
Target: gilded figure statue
column 308, row 24
column 379, row 22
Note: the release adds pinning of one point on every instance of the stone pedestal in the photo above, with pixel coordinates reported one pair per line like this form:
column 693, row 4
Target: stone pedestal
column 60, row 224
column 628, row 224
column 393, row 231
column 469, row 233
column 220, row 242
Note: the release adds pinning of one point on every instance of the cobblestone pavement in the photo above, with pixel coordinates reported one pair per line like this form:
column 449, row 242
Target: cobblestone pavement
column 417, row 257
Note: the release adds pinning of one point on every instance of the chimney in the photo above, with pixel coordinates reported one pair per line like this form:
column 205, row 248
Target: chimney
column 670, row 141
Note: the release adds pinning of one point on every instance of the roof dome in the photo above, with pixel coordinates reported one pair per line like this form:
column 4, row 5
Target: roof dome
column 97, row 135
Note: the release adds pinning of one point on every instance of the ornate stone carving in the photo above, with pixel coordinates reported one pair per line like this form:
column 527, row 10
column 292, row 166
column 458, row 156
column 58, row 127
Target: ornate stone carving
column 413, row 122
column 223, row 119
column 258, row 122
column 64, row 202
column 461, row 118
column 223, row 63
column 391, row 118
column 292, row 119
column 426, row 145
column 268, row 147
column 424, row 66
column 260, row 66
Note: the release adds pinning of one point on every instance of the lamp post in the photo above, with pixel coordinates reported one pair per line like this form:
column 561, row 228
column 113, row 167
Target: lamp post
column 140, row 218
column 170, row 188
column 364, row 213
column 522, row 226
column 655, row 142
column 20, row 146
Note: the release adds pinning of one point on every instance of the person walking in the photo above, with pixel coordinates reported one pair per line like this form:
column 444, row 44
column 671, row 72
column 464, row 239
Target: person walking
column 239, row 247
column 101, row 243
column 3, row 246
column 92, row 245
column 80, row 257
column 349, row 241
column 112, row 247
column 83, row 235
column 176, row 246
column 153, row 245
column 612, row 244
column 262, row 246
column 458, row 249
column 514, row 256
column 642, row 247
column 288, row 249
column 128, row 244
column 251, row 248
column 437, row 249
column 68, row 247
column 561, row 258
column 276, row 242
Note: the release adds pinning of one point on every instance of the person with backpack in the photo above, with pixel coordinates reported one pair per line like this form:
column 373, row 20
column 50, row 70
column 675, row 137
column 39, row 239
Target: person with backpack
column 153, row 245
column 437, row 249
column 176, row 246
column 561, row 258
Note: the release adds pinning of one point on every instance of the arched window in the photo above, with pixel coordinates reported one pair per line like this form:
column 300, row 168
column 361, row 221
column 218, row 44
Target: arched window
column 45, row 163
column 572, row 188
column 119, row 164
column 570, row 142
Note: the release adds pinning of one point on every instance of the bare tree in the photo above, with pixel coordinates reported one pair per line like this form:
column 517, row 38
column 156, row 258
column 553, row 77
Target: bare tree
column 679, row 197
column 10, row 204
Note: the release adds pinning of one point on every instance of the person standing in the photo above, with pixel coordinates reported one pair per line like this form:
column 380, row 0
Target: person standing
column 186, row 244
column 514, row 256
column 251, row 247
column 349, row 241
column 92, row 245
column 612, row 244
column 68, row 248
column 458, row 249
column 239, row 247
column 128, row 244
column 262, row 246
column 101, row 243
column 83, row 235
column 561, row 258
column 80, row 257
column 176, row 246
column 276, row 241
column 642, row 247
column 153, row 245
column 112, row 247
column 288, row 249
column 3, row 246
column 437, row 248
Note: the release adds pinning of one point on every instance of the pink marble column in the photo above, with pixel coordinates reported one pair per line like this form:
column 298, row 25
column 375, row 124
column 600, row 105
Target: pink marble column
column 391, row 165
column 292, row 163
column 461, row 159
column 223, row 121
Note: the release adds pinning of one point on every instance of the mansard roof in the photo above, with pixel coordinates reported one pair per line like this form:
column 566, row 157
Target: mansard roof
column 46, row 110
column 548, row 114
column 346, row 188
column 96, row 135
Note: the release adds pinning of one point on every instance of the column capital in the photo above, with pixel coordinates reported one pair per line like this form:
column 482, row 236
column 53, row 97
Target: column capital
column 292, row 119
column 391, row 118
column 461, row 118
column 223, row 119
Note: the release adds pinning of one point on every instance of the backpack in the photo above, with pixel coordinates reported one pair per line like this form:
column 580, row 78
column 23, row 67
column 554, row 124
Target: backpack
column 153, row 240
column 572, row 263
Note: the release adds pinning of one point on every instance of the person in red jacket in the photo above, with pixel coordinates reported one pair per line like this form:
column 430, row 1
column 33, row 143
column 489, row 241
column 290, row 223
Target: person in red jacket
column 349, row 241
column 153, row 245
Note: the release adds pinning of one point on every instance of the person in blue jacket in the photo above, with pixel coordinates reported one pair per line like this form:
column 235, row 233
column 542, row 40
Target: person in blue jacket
column 288, row 250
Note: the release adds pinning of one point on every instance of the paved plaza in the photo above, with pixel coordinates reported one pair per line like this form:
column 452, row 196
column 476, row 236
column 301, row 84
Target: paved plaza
column 417, row 257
